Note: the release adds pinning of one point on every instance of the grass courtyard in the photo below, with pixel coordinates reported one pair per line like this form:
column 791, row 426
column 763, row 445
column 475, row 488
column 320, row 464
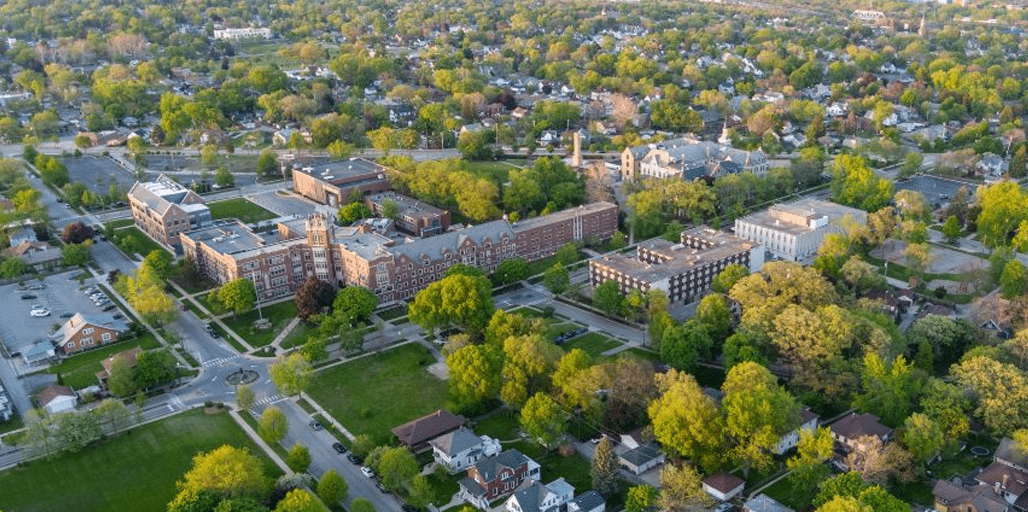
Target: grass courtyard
column 280, row 314
column 378, row 392
column 141, row 244
column 239, row 208
column 134, row 471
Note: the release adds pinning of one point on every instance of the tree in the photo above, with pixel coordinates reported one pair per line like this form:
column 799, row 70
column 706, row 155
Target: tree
column 237, row 295
column 291, row 374
column 1000, row 391
column 529, row 360
column 1014, row 279
column 420, row 492
column 675, row 116
column 298, row 458
column 459, row 300
column 543, row 420
column 681, row 489
column 357, row 302
column 244, row 397
column 686, row 421
column 511, row 271
column 267, row 164
column 396, row 467
column 682, row 345
column 757, row 413
column 556, row 279
column 273, row 425
column 807, row 467
column 228, row 471
column 353, row 212
column 891, row 388
column 159, row 262
column 641, row 498
column 605, row 469
column 844, row 504
column 113, row 413
column 153, row 369
column 475, row 374
column 361, row 505
column 713, row 314
column 567, row 254
column 726, row 279
column 474, row 146
column 923, row 437
column 75, row 431
column 73, row 255
column 951, row 229
column 880, row 462
column 848, row 484
column 299, row 500
column 76, row 233
column 855, row 184
column 12, row 267
column 1002, row 209
column 315, row 349
column 313, row 297
column 765, row 295
column 607, row 297
column 332, row 488
column 1019, row 163
column 223, row 178
column 121, row 378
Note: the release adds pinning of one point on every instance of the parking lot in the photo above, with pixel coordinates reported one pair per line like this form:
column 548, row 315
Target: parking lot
column 936, row 190
column 98, row 172
column 59, row 295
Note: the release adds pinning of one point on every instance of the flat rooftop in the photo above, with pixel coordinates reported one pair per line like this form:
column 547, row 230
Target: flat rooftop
column 776, row 216
column 230, row 237
column 684, row 258
column 344, row 171
column 405, row 205
column 561, row 215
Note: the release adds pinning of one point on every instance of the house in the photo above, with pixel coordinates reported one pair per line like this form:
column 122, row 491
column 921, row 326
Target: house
column 764, row 503
column 723, row 486
column 25, row 234
column 57, row 399
column 952, row 497
column 990, row 166
column 496, row 477
column 532, row 496
column 36, row 255
column 38, row 353
column 83, row 332
column 850, row 429
column 6, row 409
column 1001, row 487
column 461, row 448
column 416, row 434
column 131, row 356
column 642, row 458
column 808, row 422
column 589, row 501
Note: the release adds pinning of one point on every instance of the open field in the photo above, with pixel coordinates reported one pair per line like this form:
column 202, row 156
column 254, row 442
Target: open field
column 376, row 393
column 133, row 471
column 143, row 244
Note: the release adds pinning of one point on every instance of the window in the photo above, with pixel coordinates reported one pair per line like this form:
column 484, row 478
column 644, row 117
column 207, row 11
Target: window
column 87, row 330
column 107, row 336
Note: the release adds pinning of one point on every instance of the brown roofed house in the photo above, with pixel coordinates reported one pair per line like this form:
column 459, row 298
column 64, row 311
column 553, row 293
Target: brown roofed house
column 723, row 486
column 131, row 355
column 57, row 399
column 847, row 430
column 417, row 433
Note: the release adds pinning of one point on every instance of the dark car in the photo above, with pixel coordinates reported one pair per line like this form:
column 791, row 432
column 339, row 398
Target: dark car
column 67, row 314
column 315, row 425
column 381, row 487
column 338, row 447
column 354, row 459
column 108, row 307
column 27, row 296
column 410, row 508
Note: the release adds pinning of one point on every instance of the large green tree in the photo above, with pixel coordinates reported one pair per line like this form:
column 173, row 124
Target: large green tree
column 757, row 413
column 543, row 420
column 686, row 421
column 237, row 295
column 460, row 300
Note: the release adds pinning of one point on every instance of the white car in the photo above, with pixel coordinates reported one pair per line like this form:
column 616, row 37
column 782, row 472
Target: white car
column 39, row 312
column 367, row 472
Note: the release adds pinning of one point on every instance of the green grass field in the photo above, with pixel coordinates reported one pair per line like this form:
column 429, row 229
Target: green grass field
column 239, row 208
column 144, row 244
column 593, row 343
column 496, row 171
column 280, row 314
column 79, row 371
column 133, row 471
column 376, row 393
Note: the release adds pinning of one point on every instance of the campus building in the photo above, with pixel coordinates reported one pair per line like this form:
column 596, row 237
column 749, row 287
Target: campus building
column 333, row 183
column 683, row 271
column 164, row 209
column 279, row 262
column 794, row 231
column 412, row 216
column 243, row 33
column 689, row 158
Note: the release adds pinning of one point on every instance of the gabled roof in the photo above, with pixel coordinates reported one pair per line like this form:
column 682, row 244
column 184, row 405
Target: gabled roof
column 435, row 247
column 53, row 392
column 724, row 482
column 489, row 468
column 764, row 503
column 159, row 195
column 1009, row 452
column 857, row 425
column 641, row 455
column 80, row 321
column 426, row 427
column 1009, row 478
column 589, row 500
column 455, row 442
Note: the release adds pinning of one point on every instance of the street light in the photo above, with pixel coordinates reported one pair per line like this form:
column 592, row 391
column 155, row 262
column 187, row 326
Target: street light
column 260, row 314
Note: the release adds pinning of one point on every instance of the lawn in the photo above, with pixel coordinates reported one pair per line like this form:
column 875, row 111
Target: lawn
column 144, row 244
column 120, row 223
column 376, row 393
column 239, row 208
column 79, row 371
column 642, row 353
column 795, row 497
column 298, row 336
column 144, row 463
column 496, row 171
column 280, row 314
column 593, row 343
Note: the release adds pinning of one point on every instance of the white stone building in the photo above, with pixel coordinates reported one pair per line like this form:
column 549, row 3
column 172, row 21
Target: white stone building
column 794, row 231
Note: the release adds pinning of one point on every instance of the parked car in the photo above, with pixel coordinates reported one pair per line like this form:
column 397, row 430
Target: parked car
column 354, row 459
column 108, row 307
column 367, row 472
column 338, row 447
column 27, row 296
column 315, row 425
column 67, row 314
column 39, row 313
column 410, row 508
column 381, row 488
column 118, row 316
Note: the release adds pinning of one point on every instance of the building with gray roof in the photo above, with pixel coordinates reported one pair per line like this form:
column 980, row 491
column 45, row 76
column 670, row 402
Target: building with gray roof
column 334, row 183
column 163, row 209
column 794, row 231
column 689, row 158
column 411, row 216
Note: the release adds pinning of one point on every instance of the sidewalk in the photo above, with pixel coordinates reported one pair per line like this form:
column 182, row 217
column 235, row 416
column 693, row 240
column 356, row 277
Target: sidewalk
column 326, row 415
column 214, row 318
column 260, row 442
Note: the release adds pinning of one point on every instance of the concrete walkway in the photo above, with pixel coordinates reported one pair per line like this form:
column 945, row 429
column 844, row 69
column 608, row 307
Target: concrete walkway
column 277, row 342
column 260, row 442
column 203, row 309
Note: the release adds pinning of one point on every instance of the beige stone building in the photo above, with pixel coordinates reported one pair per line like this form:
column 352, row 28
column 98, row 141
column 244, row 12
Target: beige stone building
column 689, row 158
column 794, row 231
column 164, row 209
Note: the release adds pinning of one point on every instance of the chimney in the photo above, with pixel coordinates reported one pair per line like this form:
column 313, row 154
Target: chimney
column 576, row 156
column 1006, row 476
column 996, row 488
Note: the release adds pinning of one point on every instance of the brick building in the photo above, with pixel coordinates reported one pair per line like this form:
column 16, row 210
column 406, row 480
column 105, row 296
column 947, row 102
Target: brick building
column 689, row 158
column 333, row 183
column 496, row 477
column 684, row 271
column 280, row 261
column 83, row 332
column 164, row 209
column 412, row 216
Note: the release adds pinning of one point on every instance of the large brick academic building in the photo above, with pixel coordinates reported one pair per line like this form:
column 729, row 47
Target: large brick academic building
column 280, row 261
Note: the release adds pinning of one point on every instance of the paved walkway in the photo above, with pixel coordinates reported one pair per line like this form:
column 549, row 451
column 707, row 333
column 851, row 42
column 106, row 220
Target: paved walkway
column 277, row 342
column 260, row 442
column 203, row 309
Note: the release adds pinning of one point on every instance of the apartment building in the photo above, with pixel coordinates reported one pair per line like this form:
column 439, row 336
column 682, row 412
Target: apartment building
column 333, row 183
column 689, row 158
column 794, row 231
column 242, row 33
column 164, row 209
column 683, row 271
column 412, row 216
column 279, row 262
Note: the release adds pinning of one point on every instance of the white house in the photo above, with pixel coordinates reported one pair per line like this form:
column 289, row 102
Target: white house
column 589, row 501
column 57, row 399
column 461, row 449
column 723, row 486
column 808, row 422
column 533, row 496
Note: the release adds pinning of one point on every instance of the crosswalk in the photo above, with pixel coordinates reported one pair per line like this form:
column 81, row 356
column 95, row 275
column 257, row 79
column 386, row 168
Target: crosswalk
column 176, row 403
column 219, row 361
column 267, row 400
